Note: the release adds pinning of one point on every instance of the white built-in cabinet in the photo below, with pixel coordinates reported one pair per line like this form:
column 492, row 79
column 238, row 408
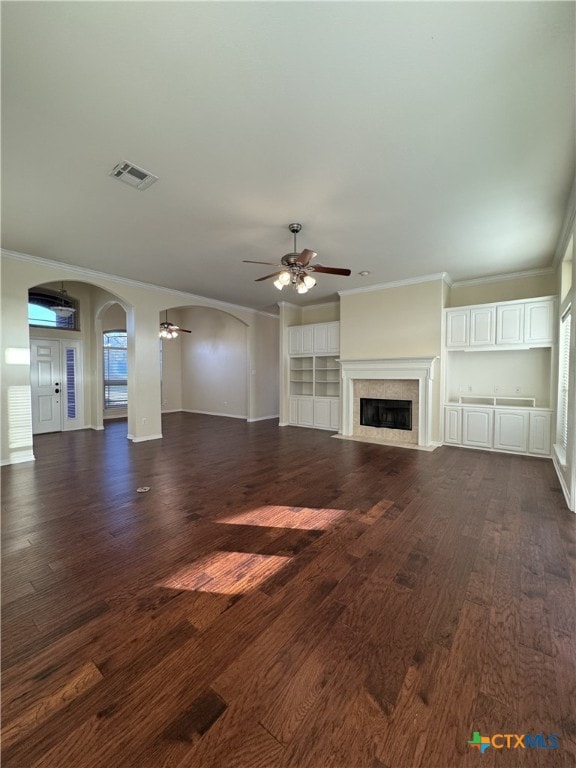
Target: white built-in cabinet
column 314, row 388
column 528, row 323
column 521, row 430
column 489, row 420
column 315, row 339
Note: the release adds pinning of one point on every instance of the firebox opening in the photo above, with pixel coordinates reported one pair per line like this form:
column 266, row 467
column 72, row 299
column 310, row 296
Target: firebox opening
column 392, row 414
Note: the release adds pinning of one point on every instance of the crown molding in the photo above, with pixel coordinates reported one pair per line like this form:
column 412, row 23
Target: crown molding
column 567, row 227
column 84, row 272
column 509, row 276
column 321, row 304
column 398, row 283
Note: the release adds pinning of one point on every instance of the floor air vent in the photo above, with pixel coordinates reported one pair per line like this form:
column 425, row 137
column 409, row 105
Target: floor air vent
column 131, row 174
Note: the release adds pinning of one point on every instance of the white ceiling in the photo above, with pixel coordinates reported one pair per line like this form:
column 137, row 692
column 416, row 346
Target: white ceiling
column 408, row 138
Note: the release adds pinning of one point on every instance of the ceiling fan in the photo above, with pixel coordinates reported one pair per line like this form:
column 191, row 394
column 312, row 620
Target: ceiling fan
column 168, row 330
column 295, row 268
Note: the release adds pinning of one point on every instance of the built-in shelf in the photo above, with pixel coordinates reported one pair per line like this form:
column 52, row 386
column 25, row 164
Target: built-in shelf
column 510, row 402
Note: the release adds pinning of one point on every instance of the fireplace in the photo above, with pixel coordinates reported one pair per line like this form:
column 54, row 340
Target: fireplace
column 384, row 413
column 404, row 379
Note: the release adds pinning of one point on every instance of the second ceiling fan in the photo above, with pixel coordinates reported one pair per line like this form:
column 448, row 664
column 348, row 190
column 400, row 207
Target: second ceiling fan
column 168, row 330
column 296, row 268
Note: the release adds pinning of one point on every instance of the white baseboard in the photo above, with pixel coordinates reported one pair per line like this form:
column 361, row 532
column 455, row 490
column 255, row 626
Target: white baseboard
column 19, row 458
column 213, row 413
column 97, row 429
column 143, row 439
column 283, row 424
column 173, row 410
column 264, row 418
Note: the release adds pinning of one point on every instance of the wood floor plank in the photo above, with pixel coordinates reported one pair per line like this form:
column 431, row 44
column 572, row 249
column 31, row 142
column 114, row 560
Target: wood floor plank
column 280, row 599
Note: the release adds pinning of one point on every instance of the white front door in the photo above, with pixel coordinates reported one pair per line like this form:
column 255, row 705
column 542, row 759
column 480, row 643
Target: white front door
column 46, row 385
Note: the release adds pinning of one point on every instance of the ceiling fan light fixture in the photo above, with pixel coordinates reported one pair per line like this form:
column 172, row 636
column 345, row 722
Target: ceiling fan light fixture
column 309, row 281
column 295, row 267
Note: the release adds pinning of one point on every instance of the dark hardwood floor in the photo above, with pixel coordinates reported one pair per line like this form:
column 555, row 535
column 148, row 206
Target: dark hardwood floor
column 281, row 599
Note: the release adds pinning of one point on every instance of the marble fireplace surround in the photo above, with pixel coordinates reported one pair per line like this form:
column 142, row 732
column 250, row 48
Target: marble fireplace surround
column 420, row 369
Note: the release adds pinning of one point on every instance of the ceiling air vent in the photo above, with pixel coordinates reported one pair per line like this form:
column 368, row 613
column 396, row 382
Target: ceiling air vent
column 131, row 174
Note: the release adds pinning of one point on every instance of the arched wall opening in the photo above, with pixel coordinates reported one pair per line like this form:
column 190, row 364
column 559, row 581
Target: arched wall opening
column 206, row 370
column 81, row 357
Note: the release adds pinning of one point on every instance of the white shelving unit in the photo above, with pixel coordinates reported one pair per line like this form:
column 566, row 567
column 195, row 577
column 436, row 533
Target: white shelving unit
column 314, row 387
column 498, row 376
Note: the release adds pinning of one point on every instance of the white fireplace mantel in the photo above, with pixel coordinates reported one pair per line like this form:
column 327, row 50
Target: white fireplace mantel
column 419, row 368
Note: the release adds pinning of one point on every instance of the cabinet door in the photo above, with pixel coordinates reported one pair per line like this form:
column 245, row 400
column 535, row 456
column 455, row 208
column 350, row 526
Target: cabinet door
column 539, row 441
column 307, row 339
column 322, row 413
column 511, row 430
column 482, row 326
column 510, row 324
column 334, row 413
column 333, row 338
column 453, row 425
column 295, row 340
column 306, row 411
column 457, row 327
column 293, row 410
column 539, row 322
column 477, row 427
column 320, row 339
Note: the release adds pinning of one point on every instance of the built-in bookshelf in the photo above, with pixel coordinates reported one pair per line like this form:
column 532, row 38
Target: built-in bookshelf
column 326, row 376
column 302, row 376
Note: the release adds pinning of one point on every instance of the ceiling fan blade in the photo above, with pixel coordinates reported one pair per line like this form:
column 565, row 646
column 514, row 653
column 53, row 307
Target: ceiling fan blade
column 266, row 277
column 270, row 263
column 184, row 330
column 306, row 257
column 331, row 270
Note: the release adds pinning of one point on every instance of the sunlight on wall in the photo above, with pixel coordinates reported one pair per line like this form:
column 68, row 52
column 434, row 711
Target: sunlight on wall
column 287, row 517
column 19, row 435
column 229, row 573
column 17, row 356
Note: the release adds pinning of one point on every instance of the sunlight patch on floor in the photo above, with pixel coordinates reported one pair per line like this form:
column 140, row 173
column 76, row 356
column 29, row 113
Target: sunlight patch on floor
column 229, row 573
column 303, row 518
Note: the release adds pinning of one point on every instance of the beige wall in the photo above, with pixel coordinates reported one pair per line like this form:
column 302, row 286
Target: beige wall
column 264, row 371
column 320, row 313
column 503, row 289
column 405, row 321
column 114, row 318
column 214, row 363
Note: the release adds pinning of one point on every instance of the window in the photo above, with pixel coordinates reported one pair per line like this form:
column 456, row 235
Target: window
column 71, row 393
column 115, row 369
column 43, row 312
column 563, row 380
